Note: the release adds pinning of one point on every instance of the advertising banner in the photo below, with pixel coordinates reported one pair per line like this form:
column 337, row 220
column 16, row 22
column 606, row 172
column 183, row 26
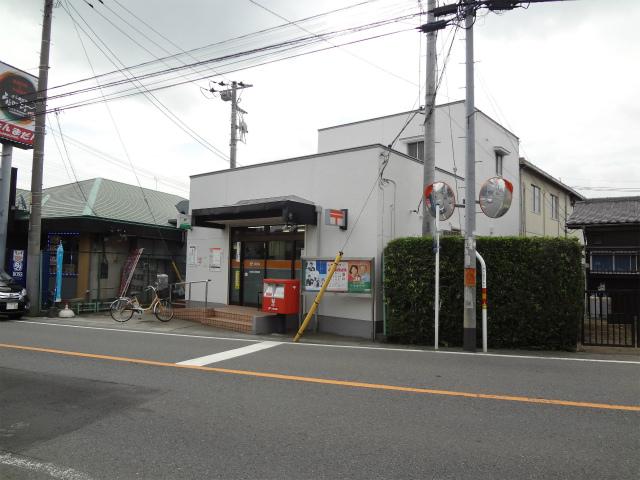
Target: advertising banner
column 17, row 266
column 351, row 276
column 128, row 269
column 17, row 106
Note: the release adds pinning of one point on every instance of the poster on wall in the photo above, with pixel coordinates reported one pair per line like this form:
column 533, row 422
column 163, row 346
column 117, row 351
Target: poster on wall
column 359, row 276
column 215, row 259
column 192, row 256
column 351, row 276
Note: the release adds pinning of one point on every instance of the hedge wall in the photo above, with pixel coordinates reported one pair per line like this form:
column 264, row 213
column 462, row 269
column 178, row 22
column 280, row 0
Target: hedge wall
column 535, row 291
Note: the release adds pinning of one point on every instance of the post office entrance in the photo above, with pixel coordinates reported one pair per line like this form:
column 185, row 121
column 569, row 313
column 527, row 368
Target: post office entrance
column 271, row 251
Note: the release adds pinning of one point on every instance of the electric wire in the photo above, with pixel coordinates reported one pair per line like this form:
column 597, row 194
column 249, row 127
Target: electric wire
column 147, row 94
column 222, row 42
column 124, row 94
column 73, row 170
column 291, row 44
column 126, row 152
column 354, row 55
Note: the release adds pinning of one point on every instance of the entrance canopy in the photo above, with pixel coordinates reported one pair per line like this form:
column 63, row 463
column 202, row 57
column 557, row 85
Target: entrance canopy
column 262, row 211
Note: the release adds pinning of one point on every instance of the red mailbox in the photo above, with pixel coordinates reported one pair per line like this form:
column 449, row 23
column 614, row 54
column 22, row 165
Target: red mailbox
column 280, row 296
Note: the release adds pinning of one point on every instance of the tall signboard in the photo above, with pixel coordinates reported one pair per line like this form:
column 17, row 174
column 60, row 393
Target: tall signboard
column 17, row 106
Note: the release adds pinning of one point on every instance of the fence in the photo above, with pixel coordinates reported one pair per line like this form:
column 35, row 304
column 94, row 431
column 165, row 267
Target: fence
column 181, row 296
column 611, row 318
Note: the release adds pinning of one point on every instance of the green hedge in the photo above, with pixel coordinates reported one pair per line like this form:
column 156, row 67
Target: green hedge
column 535, row 291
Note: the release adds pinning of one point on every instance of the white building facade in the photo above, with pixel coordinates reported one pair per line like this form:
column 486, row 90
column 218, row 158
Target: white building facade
column 260, row 221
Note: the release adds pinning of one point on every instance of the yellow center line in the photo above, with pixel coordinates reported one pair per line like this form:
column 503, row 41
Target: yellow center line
column 342, row 383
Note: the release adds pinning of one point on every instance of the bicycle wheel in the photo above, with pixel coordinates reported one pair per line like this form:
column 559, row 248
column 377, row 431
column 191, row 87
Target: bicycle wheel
column 121, row 310
column 163, row 310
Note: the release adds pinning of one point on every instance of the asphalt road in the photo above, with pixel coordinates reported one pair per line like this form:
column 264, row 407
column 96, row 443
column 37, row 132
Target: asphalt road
column 113, row 401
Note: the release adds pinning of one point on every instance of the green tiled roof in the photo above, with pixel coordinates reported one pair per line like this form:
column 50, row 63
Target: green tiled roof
column 106, row 199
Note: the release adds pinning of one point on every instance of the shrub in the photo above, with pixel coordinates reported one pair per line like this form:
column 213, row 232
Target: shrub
column 535, row 291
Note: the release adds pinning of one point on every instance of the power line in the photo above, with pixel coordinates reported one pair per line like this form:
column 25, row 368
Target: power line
column 219, row 43
column 124, row 93
column 147, row 93
column 368, row 62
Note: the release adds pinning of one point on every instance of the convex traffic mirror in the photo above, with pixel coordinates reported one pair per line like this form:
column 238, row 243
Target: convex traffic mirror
column 441, row 194
column 495, row 197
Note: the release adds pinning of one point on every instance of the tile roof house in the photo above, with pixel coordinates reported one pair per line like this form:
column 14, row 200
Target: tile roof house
column 606, row 211
column 611, row 229
column 99, row 223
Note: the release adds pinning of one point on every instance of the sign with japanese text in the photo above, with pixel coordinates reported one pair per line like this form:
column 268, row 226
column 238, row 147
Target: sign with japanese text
column 215, row 259
column 17, row 266
column 17, row 106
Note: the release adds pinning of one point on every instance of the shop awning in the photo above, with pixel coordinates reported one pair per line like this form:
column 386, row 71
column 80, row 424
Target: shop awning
column 262, row 211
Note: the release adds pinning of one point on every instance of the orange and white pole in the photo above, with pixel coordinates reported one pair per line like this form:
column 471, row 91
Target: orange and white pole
column 484, row 301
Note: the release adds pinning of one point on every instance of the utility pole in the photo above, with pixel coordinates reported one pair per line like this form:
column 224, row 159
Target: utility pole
column 429, row 167
column 231, row 95
column 469, row 338
column 33, row 252
column 234, row 125
column 7, row 152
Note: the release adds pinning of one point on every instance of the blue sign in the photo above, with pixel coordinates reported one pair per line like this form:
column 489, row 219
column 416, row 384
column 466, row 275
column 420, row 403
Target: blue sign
column 18, row 267
column 59, row 258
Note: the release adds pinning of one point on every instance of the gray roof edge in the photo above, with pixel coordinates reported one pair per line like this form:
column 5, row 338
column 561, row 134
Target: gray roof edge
column 102, row 179
column 527, row 164
column 610, row 199
column 293, row 159
column 316, row 155
column 448, row 104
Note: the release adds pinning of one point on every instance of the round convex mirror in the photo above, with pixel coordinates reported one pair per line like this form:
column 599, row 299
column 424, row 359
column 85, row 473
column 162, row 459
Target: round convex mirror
column 441, row 194
column 495, row 197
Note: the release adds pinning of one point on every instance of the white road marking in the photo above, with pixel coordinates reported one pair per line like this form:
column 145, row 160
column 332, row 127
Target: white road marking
column 236, row 352
column 353, row 347
column 231, row 339
column 476, row 354
column 50, row 469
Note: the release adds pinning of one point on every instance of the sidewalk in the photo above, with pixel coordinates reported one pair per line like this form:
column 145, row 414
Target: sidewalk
column 149, row 323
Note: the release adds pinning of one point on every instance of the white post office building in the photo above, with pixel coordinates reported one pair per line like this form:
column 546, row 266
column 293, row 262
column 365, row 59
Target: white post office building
column 260, row 221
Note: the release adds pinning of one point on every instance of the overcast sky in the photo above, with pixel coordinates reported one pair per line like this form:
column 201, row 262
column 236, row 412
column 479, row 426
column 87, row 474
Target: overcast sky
column 563, row 76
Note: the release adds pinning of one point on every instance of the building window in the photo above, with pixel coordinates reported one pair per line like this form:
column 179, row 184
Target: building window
column 499, row 160
column 416, row 150
column 536, row 198
column 554, row 207
column 623, row 262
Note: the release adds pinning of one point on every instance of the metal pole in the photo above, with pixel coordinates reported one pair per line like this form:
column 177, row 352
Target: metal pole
column 483, row 266
column 7, row 151
column 33, row 252
column 206, row 295
column 429, row 167
column 436, row 306
column 469, row 339
column 234, row 127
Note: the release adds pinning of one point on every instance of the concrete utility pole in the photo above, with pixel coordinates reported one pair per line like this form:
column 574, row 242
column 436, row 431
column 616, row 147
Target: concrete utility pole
column 469, row 339
column 33, row 252
column 7, row 151
column 231, row 95
column 429, row 168
column 234, row 124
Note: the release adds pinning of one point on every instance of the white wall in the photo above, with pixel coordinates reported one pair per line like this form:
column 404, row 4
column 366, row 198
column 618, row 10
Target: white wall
column 450, row 154
column 337, row 180
column 203, row 239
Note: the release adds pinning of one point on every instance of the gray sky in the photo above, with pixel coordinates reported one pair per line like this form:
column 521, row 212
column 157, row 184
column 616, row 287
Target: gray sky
column 563, row 76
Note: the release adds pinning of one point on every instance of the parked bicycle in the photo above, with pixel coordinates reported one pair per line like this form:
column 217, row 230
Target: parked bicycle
column 123, row 308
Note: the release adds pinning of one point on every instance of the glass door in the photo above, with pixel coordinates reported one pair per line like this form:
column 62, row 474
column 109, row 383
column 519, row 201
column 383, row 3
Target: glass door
column 253, row 266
